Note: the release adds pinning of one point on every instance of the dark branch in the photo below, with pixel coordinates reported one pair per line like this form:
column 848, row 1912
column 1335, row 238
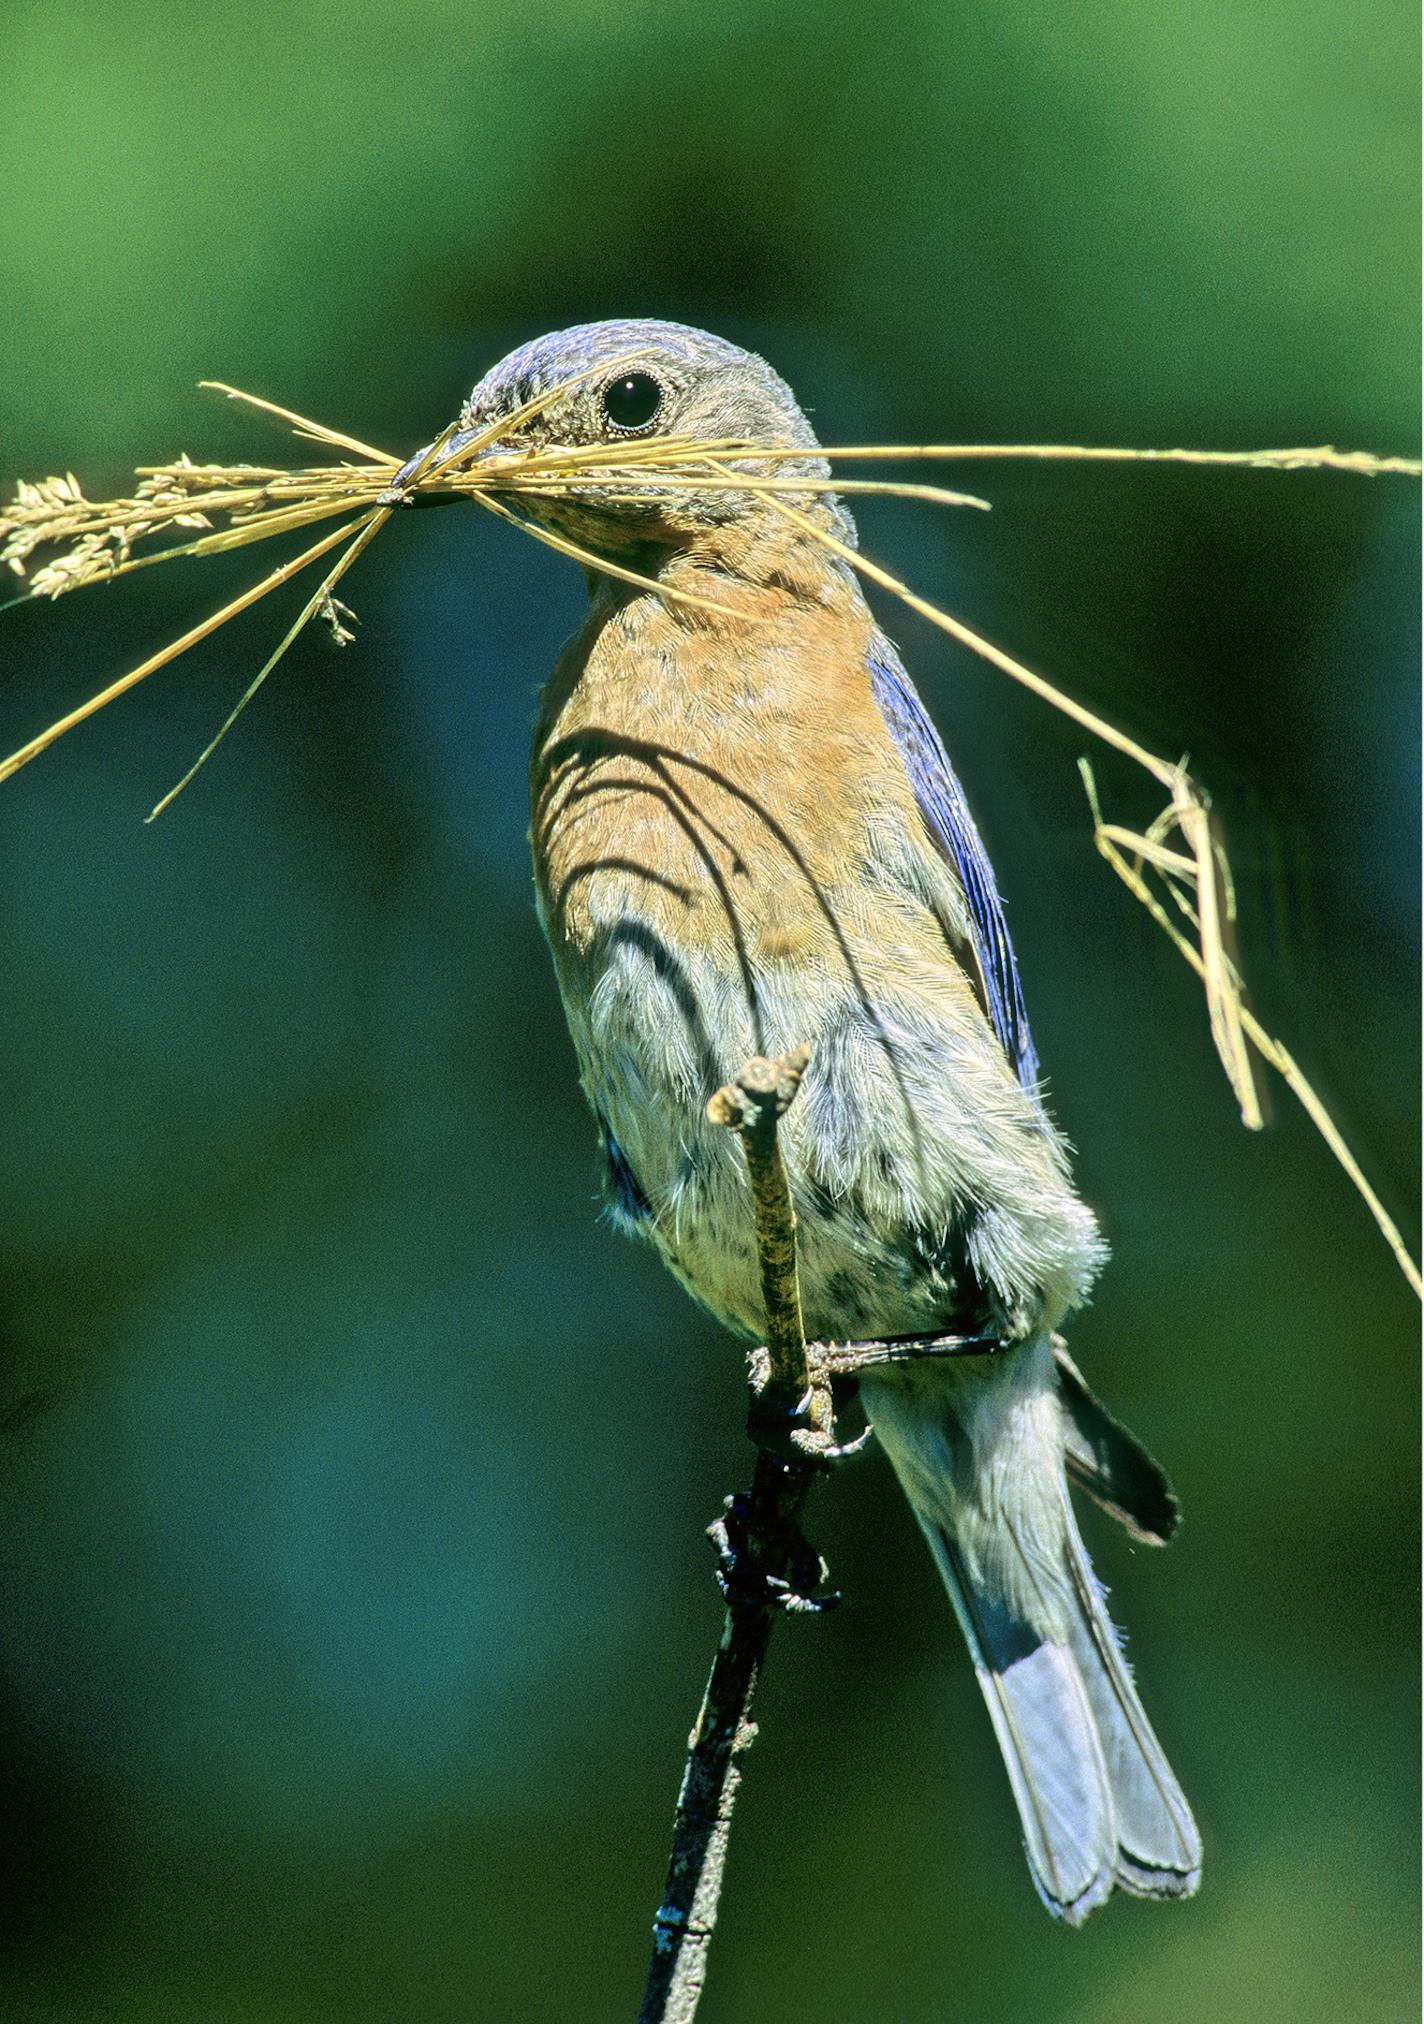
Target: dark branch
column 766, row 1563
column 763, row 1556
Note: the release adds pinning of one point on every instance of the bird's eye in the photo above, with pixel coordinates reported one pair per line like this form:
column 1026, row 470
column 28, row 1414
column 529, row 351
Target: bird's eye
column 631, row 403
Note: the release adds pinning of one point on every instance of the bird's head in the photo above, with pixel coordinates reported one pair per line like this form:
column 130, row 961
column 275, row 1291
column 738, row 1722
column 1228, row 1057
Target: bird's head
column 615, row 396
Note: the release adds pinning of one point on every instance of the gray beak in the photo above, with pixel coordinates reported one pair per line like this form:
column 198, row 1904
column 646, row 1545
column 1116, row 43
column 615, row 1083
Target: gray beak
column 395, row 493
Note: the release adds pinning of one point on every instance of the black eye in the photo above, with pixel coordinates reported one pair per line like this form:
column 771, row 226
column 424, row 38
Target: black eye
column 632, row 402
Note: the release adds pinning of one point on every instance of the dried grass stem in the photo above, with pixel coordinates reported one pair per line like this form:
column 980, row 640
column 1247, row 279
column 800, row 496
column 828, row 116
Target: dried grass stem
column 87, row 542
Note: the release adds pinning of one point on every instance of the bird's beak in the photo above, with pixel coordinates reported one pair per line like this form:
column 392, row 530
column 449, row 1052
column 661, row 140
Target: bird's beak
column 396, row 494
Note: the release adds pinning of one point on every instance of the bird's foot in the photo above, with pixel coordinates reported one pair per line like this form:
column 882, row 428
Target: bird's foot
column 743, row 1539
column 800, row 1430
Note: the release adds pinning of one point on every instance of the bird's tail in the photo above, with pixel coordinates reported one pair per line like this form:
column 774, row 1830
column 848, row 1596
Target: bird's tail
column 979, row 1451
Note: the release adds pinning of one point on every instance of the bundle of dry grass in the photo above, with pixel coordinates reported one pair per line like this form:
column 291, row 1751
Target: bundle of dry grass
column 1176, row 868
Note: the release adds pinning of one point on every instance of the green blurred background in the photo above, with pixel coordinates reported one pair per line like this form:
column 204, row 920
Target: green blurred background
column 355, row 1601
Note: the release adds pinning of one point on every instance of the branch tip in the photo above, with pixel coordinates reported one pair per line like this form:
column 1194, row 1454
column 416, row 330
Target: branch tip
column 762, row 1091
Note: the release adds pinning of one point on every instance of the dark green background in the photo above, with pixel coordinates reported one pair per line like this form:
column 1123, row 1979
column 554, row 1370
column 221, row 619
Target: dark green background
column 355, row 1603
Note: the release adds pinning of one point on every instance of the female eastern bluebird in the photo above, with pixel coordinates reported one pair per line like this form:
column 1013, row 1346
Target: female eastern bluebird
column 747, row 834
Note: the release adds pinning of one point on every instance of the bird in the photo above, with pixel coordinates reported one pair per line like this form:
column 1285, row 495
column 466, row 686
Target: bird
column 747, row 835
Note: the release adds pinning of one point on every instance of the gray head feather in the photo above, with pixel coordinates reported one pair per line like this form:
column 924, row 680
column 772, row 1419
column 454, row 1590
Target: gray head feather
column 709, row 389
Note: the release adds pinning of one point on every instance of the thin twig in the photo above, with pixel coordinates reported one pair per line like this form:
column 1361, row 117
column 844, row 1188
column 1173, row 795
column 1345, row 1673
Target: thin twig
column 766, row 1560
column 724, row 1731
column 702, row 1828
column 752, row 1105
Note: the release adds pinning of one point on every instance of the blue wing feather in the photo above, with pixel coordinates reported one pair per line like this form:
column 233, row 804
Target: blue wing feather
column 946, row 813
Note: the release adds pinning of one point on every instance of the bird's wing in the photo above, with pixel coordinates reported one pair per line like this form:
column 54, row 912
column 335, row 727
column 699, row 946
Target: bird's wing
column 1110, row 1463
column 946, row 814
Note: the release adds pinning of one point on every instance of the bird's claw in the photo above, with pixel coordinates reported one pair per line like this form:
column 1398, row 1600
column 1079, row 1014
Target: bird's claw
column 800, row 1431
column 743, row 1579
column 846, row 1451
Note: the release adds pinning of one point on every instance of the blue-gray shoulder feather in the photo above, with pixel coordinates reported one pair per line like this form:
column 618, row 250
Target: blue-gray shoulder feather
column 946, row 813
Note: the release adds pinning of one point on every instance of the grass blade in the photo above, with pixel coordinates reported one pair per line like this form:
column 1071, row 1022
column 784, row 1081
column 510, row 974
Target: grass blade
column 368, row 528
column 278, row 577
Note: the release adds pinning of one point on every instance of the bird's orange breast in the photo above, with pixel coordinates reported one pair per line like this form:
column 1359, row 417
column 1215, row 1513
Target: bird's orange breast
column 722, row 781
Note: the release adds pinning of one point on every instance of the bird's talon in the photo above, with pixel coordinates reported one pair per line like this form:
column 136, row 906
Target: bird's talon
column 846, row 1451
column 800, row 1431
column 785, row 1428
column 746, row 1583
